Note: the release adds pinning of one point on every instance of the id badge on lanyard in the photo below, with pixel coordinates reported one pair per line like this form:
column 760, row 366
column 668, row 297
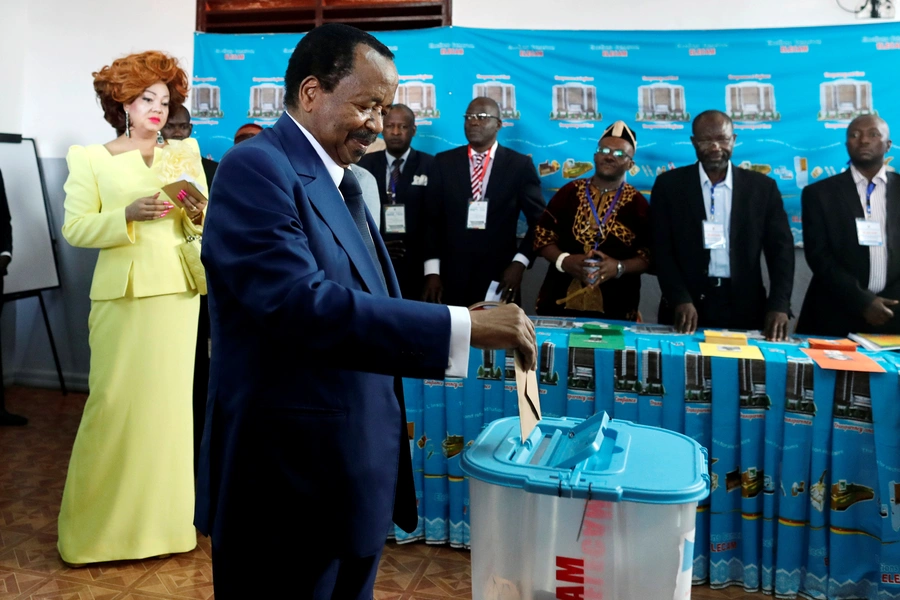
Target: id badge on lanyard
column 713, row 233
column 477, row 214
column 869, row 232
column 395, row 218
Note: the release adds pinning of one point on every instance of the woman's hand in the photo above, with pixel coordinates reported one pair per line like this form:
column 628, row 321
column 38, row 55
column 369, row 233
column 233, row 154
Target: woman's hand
column 192, row 206
column 147, row 209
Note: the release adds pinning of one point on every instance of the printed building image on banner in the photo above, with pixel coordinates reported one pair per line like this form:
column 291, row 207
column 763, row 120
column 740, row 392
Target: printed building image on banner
column 844, row 99
column 547, row 372
column 752, row 379
column 502, row 92
column 662, row 101
column 651, row 383
column 626, row 378
column 266, row 101
column 419, row 96
column 753, row 401
column 581, row 368
column 205, row 101
column 799, row 397
column 697, row 378
column 751, row 101
column 791, row 93
column 575, row 100
column 852, row 399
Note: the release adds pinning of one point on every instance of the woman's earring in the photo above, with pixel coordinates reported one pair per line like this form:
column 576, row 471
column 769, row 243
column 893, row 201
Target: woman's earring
column 127, row 125
column 159, row 138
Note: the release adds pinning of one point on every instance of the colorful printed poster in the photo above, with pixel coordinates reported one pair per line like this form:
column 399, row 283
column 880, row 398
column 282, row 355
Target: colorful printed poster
column 791, row 93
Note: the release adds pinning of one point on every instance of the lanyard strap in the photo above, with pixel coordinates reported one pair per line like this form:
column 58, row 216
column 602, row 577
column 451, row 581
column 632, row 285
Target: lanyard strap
column 602, row 223
column 484, row 168
column 712, row 201
column 869, row 189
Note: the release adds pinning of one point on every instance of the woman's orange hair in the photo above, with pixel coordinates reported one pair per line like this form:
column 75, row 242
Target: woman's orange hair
column 126, row 79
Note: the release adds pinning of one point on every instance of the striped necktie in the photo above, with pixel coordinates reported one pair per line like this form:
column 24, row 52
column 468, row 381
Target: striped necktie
column 477, row 175
column 395, row 179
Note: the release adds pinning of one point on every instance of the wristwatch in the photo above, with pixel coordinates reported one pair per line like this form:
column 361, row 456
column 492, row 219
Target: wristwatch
column 620, row 269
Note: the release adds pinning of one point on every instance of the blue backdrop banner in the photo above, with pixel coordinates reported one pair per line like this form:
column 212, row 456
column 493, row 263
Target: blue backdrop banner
column 791, row 92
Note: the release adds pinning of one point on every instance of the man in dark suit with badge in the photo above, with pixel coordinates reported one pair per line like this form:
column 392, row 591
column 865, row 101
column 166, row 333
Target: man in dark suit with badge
column 851, row 232
column 712, row 223
column 402, row 174
column 475, row 195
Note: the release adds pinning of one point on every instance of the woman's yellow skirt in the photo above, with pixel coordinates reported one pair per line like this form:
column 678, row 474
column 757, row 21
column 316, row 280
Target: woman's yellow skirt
column 130, row 488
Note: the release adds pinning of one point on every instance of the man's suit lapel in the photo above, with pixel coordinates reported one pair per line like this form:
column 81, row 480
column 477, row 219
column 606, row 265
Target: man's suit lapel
column 328, row 203
column 387, row 266
column 408, row 172
column 497, row 184
column 380, row 174
column 497, row 181
column 892, row 226
column 850, row 195
column 461, row 179
column 740, row 216
column 696, row 211
column 848, row 199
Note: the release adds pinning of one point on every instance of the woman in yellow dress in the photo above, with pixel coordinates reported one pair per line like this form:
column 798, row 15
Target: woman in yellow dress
column 130, row 490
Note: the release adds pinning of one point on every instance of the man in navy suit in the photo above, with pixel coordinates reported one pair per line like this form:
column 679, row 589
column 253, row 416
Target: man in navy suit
column 402, row 172
column 305, row 461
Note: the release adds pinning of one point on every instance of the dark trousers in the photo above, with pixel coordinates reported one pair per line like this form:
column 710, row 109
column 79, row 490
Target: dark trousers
column 274, row 567
column 714, row 309
column 201, row 377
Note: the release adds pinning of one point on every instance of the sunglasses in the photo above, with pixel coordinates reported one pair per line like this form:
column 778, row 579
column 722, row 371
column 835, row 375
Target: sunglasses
column 479, row 117
column 616, row 153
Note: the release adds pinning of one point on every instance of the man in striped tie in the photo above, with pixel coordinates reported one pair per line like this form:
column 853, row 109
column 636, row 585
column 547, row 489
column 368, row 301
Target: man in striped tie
column 475, row 195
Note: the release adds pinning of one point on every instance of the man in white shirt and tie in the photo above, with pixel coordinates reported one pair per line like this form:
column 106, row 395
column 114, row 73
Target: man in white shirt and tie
column 475, row 195
column 850, row 226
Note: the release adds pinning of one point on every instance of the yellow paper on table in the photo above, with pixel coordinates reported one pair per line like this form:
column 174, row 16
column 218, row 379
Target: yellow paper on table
column 733, row 338
column 731, row 351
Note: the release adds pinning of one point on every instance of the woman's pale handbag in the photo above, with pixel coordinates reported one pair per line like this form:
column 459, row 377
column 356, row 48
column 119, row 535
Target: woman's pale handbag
column 190, row 252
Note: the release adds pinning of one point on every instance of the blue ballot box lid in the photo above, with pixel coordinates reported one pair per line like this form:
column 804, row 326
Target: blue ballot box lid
column 596, row 458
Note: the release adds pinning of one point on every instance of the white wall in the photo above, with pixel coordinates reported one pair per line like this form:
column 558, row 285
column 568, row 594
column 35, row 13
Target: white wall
column 49, row 48
column 12, row 65
column 651, row 14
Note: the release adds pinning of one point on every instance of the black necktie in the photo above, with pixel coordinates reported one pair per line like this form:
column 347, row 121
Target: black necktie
column 353, row 197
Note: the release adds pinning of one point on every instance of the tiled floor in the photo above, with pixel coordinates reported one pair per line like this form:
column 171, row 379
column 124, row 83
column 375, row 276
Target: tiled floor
column 33, row 463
